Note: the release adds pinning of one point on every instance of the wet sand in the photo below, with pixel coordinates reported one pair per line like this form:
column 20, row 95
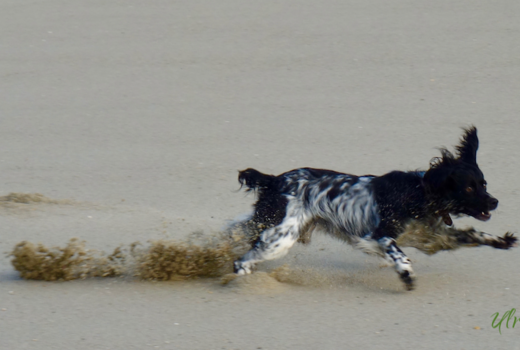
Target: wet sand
column 133, row 117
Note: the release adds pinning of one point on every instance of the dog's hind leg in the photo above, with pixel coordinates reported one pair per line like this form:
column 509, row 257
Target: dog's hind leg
column 273, row 243
column 401, row 262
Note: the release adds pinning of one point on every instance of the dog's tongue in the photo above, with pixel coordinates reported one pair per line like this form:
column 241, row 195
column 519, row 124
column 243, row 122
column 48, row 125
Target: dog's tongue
column 484, row 216
column 447, row 219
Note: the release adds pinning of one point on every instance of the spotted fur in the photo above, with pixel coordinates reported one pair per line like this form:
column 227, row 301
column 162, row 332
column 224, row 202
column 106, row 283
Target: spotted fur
column 369, row 212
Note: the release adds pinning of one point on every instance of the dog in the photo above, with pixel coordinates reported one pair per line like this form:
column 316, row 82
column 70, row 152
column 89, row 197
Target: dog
column 369, row 212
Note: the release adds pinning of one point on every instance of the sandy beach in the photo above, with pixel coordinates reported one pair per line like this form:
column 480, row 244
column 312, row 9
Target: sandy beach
column 132, row 118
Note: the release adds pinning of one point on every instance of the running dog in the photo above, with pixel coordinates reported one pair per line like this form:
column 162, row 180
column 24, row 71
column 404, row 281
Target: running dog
column 370, row 212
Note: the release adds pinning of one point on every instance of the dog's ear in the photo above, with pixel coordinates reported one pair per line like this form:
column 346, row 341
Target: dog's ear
column 467, row 150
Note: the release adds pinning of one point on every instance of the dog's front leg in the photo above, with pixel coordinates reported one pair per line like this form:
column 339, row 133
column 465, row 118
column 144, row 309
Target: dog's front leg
column 401, row 262
column 474, row 237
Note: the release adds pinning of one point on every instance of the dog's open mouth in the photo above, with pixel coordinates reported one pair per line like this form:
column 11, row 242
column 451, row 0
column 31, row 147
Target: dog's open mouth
column 479, row 215
column 483, row 216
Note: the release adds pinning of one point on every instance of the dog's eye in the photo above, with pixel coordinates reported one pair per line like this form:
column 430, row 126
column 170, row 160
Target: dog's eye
column 469, row 189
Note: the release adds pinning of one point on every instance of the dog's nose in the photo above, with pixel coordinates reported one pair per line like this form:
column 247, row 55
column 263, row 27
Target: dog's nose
column 493, row 203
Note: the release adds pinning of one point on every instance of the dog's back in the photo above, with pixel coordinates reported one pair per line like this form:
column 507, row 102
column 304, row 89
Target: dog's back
column 340, row 202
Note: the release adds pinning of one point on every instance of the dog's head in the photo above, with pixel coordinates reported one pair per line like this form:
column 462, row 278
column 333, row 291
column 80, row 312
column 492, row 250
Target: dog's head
column 456, row 182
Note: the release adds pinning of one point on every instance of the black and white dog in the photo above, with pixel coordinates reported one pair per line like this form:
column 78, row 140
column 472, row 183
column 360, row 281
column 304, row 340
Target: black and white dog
column 369, row 212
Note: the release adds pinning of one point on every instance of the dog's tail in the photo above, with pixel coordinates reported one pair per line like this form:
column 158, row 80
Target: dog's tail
column 255, row 180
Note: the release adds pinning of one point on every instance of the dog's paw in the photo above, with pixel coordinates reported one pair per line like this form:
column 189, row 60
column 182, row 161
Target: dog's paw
column 408, row 280
column 506, row 242
column 241, row 268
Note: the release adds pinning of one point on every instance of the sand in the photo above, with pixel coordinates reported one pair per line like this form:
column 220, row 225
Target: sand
column 126, row 121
